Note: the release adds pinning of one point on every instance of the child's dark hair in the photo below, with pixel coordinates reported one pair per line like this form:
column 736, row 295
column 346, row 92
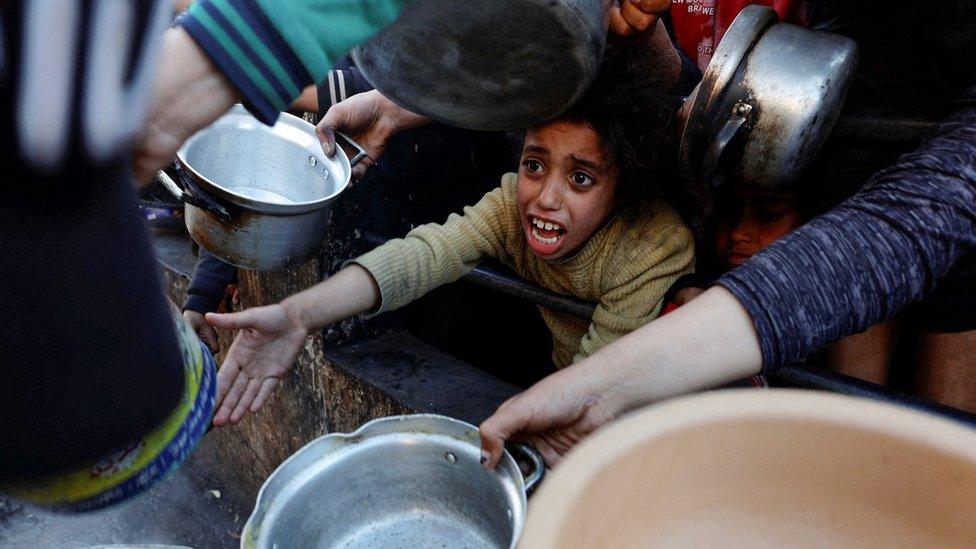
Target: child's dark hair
column 629, row 105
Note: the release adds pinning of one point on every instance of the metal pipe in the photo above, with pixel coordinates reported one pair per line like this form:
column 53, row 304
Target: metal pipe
column 506, row 283
column 496, row 278
column 795, row 376
column 888, row 130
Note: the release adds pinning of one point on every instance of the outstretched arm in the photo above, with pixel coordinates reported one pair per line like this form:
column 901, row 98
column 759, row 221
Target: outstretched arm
column 705, row 343
column 853, row 267
column 272, row 336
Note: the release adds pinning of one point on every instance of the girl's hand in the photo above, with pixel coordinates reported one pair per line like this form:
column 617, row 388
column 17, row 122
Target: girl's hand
column 636, row 17
column 261, row 354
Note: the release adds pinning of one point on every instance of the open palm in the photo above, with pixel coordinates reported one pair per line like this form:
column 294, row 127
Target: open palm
column 263, row 351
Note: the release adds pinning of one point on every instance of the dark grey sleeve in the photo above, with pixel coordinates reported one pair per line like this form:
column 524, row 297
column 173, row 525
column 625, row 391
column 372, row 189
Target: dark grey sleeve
column 875, row 253
column 209, row 283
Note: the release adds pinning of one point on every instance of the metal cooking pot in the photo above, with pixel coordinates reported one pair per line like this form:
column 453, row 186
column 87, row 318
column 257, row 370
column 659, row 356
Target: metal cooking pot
column 258, row 196
column 493, row 65
column 403, row 481
column 768, row 100
column 778, row 468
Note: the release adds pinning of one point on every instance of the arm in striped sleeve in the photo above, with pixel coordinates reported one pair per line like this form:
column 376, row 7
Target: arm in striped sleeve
column 342, row 82
column 270, row 50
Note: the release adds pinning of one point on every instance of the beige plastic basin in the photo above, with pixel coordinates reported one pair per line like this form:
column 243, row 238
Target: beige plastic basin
column 764, row 469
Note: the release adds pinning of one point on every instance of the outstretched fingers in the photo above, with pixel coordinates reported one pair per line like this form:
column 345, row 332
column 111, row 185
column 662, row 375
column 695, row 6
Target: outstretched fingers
column 244, row 403
column 236, row 382
column 248, row 319
column 267, row 387
column 500, row 427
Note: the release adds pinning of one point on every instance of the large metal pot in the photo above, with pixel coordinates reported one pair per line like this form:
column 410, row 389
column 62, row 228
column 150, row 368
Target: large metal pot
column 403, row 481
column 258, row 196
column 768, row 100
column 779, row 468
column 488, row 65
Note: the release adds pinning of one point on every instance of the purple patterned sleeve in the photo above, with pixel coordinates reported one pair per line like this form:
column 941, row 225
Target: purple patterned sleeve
column 878, row 251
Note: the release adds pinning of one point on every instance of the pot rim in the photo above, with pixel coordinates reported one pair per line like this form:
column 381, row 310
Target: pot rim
column 592, row 458
column 456, row 429
column 289, row 127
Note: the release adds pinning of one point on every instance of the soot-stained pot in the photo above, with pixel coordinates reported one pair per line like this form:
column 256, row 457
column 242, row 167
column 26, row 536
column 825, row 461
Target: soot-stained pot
column 777, row 468
column 402, row 481
column 768, row 100
column 257, row 196
column 495, row 65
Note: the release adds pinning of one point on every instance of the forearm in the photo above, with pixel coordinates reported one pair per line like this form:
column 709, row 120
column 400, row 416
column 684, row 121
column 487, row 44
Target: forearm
column 708, row 342
column 190, row 92
column 349, row 292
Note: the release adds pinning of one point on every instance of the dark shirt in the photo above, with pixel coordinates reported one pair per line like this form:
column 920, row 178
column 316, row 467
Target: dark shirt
column 88, row 356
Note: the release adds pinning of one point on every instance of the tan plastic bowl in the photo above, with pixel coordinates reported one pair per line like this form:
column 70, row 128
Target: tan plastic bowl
column 764, row 469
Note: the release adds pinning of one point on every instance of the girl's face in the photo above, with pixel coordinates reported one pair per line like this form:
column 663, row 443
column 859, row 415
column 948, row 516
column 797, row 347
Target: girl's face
column 566, row 187
column 751, row 220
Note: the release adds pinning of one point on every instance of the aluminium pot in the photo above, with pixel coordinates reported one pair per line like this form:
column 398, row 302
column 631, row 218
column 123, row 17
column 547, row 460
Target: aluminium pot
column 777, row 468
column 258, row 196
column 403, row 481
column 495, row 65
column 767, row 102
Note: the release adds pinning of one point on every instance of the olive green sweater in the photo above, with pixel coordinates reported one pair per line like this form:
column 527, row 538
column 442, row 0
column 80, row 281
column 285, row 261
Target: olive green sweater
column 626, row 266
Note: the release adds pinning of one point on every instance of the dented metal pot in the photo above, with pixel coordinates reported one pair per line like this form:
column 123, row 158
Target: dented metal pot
column 258, row 196
column 402, row 481
column 768, row 100
column 493, row 65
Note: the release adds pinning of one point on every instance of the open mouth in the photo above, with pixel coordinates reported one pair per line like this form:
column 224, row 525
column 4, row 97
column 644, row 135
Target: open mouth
column 545, row 234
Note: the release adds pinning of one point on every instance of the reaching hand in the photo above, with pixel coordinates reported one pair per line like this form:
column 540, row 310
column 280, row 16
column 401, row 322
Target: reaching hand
column 261, row 354
column 371, row 120
column 554, row 415
column 204, row 331
column 636, row 17
column 190, row 93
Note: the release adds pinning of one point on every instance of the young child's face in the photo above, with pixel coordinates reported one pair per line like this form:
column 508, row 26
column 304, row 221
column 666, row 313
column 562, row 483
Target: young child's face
column 751, row 220
column 566, row 187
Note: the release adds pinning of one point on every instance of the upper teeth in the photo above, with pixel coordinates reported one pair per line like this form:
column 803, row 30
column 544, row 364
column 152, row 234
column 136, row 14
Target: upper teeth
column 545, row 224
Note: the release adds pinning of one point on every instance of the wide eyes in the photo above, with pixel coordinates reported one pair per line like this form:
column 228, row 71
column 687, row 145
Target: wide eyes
column 577, row 178
column 581, row 179
column 532, row 165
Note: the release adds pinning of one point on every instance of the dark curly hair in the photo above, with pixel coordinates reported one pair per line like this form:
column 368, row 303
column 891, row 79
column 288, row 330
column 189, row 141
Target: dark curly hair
column 630, row 106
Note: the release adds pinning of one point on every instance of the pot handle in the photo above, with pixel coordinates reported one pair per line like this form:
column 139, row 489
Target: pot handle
column 360, row 151
column 170, row 185
column 537, row 466
column 738, row 117
column 194, row 195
